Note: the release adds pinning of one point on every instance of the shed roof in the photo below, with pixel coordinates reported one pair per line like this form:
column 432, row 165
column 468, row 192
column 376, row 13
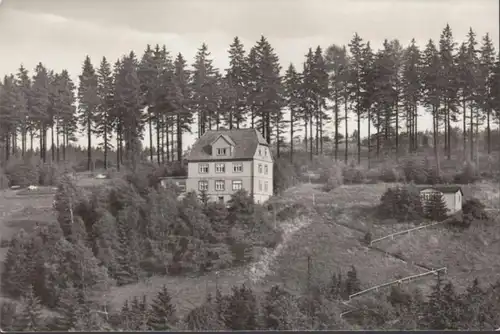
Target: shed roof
column 245, row 144
column 445, row 189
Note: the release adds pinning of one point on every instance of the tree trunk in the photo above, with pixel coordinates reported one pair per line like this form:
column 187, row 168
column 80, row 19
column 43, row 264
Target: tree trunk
column 291, row 134
column 179, row 138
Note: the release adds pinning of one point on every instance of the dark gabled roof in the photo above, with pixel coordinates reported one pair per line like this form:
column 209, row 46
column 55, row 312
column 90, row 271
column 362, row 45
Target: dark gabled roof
column 245, row 140
column 445, row 189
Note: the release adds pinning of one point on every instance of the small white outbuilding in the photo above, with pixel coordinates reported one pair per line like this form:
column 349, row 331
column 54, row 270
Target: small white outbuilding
column 453, row 196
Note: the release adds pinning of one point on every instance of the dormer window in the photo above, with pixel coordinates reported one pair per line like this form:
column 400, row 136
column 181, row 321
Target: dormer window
column 260, row 151
column 222, row 151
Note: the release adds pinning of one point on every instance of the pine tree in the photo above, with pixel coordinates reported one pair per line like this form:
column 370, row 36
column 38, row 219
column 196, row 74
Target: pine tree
column 411, row 92
column 432, row 93
column 163, row 311
column 40, row 105
column 88, row 102
column 268, row 87
column 487, row 63
column 352, row 282
column 356, row 47
column 148, row 77
column 337, row 65
column 238, row 77
column 435, row 207
column 8, row 113
column 8, row 314
column 69, row 309
column 307, row 95
column 321, row 92
column 104, row 112
column 24, row 98
column 67, row 122
column 15, row 273
column 129, row 99
column 292, row 89
column 473, row 76
column 30, row 315
column 203, row 86
column 447, row 84
column 182, row 98
column 242, row 309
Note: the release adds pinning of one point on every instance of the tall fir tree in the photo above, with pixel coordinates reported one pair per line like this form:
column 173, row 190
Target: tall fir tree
column 88, row 102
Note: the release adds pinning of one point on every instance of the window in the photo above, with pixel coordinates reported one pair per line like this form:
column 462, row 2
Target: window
column 260, row 151
column 237, row 168
column 203, row 169
column 237, row 185
column 220, row 168
column 219, row 185
column 265, row 186
column 181, row 186
column 222, row 151
column 260, row 169
column 265, row 169
column 203, row 185
column 265, row 152
column 260, row 185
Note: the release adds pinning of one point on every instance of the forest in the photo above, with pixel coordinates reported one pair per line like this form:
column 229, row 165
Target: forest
column 457, row 83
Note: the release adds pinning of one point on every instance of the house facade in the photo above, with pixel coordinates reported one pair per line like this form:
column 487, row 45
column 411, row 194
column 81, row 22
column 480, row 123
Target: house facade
column 223, row 162
column 453, row 196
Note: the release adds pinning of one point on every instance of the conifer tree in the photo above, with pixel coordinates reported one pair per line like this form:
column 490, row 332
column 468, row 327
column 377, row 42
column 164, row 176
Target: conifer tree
column 238, row 77
column 8, row 115
column 356, row 47
column 30, row 315
column 129, row 99
column 487, row 63
column 88, row 102
column 181, row 102
column 337, row 66
column 292, row 89
column 411, row 91
column 435, row 207
column 15, row 273
column 242, row 309
column 40, row 105
column 163, row 312
column 24, row 91
column 104, row 112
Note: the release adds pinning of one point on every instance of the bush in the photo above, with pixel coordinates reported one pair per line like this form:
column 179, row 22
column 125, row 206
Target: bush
column 49, row 174
column 354, row 174
column 284, row 175
column 400, row 203
column 390, row 173
column 473, row 210
column 4, row 180
column 467, row 175
column 414, row 171
column 22, row 172
column 435, row 207
column 332, row 176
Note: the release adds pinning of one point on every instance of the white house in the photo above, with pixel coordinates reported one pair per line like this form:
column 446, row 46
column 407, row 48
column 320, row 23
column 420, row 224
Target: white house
column 453, row 196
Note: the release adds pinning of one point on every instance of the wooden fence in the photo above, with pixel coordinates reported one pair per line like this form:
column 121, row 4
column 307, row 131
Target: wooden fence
column 406, row 231
column 399, row 281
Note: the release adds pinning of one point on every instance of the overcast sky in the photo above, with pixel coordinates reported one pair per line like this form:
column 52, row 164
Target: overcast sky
column 60, row 33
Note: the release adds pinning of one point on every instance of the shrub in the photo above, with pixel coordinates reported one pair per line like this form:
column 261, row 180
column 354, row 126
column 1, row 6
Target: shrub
column 400, row 203
column 284, row 175
column 4, row 180
column 332, row 176
column 22, row 172
column 368, row 238
column 414, row 171
column 389, row 173
column 49, row 174
column 354, row 174
column 467, row 175
column 435, row 207
column 473, row 210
